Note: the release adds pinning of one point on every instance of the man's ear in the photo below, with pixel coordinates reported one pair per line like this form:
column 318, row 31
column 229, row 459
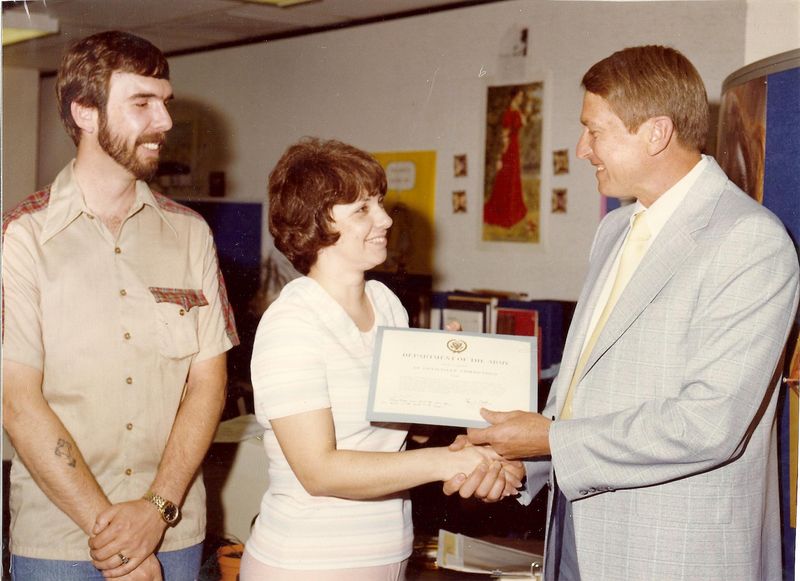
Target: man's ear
column 85, row 117
column 660, row 134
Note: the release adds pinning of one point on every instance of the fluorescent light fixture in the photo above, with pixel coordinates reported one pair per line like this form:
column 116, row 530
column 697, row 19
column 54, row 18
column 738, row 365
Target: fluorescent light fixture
column 19, row 27
column 280, row 3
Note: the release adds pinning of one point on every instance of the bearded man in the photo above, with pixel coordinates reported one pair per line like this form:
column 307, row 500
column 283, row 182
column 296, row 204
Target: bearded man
column 116, row 327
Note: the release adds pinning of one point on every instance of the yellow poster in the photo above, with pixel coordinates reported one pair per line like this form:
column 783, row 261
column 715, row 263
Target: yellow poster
column 410, row 196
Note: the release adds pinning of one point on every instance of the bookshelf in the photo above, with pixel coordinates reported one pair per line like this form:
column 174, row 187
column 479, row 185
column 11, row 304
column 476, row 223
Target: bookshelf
column 500, row 312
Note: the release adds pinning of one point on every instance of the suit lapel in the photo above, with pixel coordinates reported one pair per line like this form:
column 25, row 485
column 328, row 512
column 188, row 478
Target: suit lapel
column 669, row 250
column 607, row 245
column 665, row 256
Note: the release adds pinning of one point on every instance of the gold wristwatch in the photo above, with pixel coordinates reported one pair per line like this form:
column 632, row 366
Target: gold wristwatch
column 169, row 511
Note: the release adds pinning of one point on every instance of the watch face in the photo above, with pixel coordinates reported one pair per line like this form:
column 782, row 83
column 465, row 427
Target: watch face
column 170, row 512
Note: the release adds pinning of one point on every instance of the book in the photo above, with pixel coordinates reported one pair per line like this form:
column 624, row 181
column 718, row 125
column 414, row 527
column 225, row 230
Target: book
column 501, row 294
column 471, row 320
column 459, row 552
column 512, row 321
column 554, row 319
column 470, row 302
column 524, row 322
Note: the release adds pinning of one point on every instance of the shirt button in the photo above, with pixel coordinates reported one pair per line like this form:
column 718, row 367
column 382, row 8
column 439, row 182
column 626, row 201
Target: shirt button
column 127, row 335
column 129, row 380
column 123, row 292
column 129, row 426
column 181, row 312
column 128, row 472
column 118, row 250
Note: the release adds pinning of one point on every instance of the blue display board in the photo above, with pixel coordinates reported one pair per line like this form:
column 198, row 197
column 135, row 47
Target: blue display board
column 237, row 234
column 782, row 196
column 237, row 230
column 782, row 160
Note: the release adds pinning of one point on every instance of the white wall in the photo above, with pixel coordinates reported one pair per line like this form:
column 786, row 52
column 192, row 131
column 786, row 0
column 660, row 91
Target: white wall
column 55, row 146
column 20, row 133
column 416, row 84
column 773, row 27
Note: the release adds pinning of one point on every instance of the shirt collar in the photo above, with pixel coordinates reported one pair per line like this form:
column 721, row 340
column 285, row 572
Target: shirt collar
column 144, row 196
column 67, row 203
column 662, row 209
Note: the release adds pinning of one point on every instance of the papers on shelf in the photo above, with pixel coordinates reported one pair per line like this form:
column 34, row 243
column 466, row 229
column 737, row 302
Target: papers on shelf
column 472, row 321
column 238, row 429
column 469, row 555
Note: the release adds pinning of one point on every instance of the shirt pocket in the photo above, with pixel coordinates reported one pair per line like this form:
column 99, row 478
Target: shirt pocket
column 177, row 320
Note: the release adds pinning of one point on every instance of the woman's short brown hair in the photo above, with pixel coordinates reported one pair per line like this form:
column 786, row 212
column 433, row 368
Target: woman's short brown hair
column 310, row 178
column 86, row 68
column 648, row 81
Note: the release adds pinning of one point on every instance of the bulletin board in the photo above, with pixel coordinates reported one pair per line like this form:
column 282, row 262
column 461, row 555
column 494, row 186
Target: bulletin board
column 410, row 201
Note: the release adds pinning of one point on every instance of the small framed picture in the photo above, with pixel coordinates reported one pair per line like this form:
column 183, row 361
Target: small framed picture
column 459, row 202
column 559, row 201
column 560, row 161
column 460, row 165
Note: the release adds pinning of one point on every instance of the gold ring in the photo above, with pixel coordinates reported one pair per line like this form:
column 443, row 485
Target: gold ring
column 125, row 560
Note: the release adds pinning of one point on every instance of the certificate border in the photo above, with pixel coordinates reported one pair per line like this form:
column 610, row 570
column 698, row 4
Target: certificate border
column 439, row 420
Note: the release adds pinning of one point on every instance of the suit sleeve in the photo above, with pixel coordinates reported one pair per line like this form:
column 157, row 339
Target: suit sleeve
column 537, row 471
column 747, row 296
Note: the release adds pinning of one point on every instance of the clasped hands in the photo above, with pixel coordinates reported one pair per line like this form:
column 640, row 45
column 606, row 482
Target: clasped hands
column 514, row 435
column 124, row 539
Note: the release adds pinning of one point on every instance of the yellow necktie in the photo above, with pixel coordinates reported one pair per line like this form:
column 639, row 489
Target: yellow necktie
column 635, row 247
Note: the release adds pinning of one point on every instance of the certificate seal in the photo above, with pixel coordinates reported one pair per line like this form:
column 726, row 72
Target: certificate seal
column 457, row 345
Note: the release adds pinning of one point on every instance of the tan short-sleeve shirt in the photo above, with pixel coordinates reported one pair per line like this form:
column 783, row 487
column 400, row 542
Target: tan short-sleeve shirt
column 114, row 325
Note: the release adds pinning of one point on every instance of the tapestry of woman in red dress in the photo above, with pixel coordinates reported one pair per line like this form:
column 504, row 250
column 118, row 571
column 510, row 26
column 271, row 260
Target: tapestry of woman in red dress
column 505, row 206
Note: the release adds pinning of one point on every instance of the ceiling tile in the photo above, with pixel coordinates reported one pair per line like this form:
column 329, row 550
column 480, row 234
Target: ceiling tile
column 180, row 25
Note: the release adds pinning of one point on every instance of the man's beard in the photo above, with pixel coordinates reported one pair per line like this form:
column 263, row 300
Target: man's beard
column 125, row 155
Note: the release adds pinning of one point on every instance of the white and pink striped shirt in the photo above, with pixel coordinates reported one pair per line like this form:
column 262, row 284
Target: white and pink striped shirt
column 309, row 355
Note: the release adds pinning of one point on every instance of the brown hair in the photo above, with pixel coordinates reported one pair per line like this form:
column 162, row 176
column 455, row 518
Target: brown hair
column 309, row 179
column 86, row 68
column 647, row 81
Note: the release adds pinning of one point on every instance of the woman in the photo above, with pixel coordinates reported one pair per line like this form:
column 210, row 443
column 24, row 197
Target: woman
column 506, row 205
column 335, row 506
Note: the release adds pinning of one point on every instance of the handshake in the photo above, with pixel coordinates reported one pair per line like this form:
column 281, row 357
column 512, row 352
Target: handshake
column 511, row 437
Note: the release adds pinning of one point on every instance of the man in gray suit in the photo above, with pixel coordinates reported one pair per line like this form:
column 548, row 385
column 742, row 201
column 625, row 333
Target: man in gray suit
column 661, row 453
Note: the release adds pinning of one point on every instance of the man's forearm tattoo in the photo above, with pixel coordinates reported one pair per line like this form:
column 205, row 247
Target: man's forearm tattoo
column 64, row 449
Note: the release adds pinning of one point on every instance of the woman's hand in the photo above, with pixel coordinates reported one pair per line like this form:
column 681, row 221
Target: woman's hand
column 453, row 326
column 490, row 483
column 468, row 459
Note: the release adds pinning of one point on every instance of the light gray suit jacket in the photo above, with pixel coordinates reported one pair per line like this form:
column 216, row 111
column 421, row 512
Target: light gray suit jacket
column 670, row 458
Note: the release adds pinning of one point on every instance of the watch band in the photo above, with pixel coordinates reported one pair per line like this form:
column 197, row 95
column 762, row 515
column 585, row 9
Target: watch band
column 169, row 511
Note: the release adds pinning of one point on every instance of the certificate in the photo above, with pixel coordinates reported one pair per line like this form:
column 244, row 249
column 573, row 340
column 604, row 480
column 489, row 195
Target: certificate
column 442, row 378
